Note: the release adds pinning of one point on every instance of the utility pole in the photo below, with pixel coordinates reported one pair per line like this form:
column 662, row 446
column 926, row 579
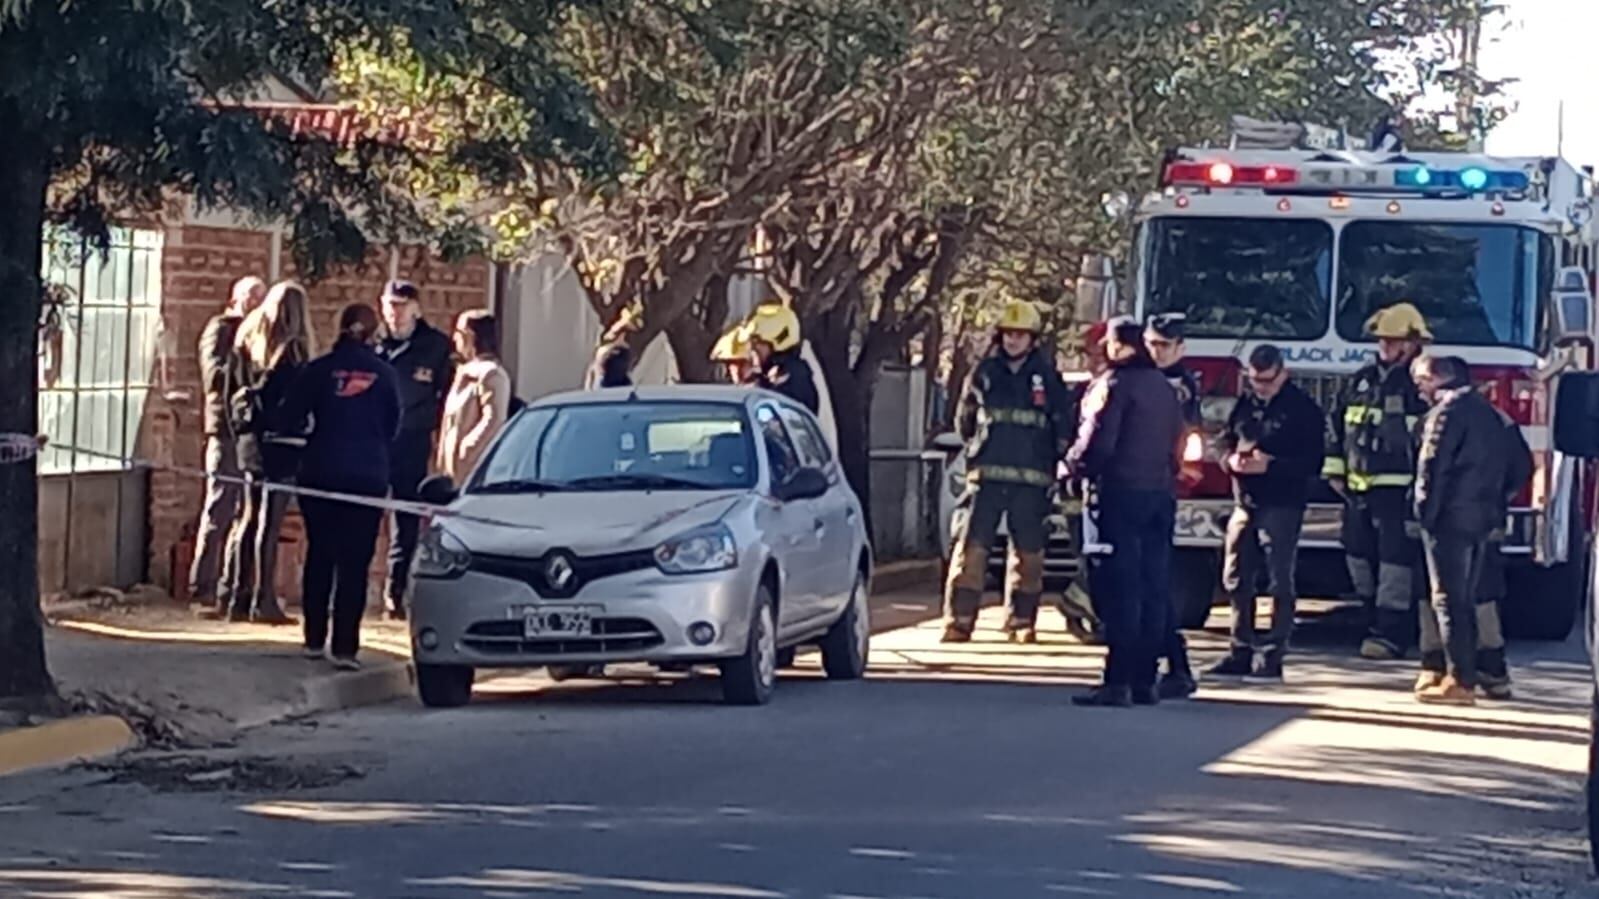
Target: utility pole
column 1466, row 112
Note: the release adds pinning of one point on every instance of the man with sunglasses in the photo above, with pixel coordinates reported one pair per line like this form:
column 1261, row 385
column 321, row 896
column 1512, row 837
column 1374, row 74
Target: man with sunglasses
column 1273, row 452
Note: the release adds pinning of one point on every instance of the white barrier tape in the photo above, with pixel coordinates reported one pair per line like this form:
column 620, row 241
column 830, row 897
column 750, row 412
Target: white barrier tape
column 16, row 449
column 420, row 509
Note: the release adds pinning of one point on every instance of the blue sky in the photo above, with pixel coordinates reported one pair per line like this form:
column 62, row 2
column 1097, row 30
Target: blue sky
column 1553, row 47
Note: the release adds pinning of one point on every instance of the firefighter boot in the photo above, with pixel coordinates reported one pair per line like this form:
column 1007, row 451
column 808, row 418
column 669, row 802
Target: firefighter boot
column 1388, row 638
column 960, row 617
column 1022, row 626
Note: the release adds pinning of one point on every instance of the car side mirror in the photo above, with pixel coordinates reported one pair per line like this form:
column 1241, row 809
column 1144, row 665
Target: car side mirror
column 438, row 490
column 1572, row 308
column 807, row 483
column 1576, row 424
column 949, row 442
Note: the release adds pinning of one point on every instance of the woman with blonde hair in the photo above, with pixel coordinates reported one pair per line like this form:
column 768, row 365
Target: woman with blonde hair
column 480, row 397
column 273, row 346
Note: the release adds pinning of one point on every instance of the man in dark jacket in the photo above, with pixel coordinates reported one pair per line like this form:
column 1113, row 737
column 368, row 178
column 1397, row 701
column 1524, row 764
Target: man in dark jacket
column 1458, row 424
column 1129, row 445
column 1165, row 338
column 1370, row 461
column 222, row 498
column 1461, row 477
column 1274, row 450
column 1013, row 415
column 423, row 359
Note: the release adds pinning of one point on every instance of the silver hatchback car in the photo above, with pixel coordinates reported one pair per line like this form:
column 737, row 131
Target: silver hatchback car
column 676, row 526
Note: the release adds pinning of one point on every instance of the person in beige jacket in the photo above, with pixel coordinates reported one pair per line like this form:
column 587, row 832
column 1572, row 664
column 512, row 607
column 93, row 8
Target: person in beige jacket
column 480, row 397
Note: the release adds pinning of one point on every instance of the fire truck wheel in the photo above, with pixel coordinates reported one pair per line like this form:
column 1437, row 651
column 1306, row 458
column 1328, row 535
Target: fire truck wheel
column 1542, row 603
column 1195, row 585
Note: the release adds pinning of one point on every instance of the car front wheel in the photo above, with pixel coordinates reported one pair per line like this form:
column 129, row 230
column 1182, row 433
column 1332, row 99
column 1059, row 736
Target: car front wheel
column 750, row 678
column 444, row 686
column 848, row 644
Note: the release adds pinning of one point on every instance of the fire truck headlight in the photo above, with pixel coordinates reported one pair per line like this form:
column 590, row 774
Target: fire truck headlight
column 1193, row 447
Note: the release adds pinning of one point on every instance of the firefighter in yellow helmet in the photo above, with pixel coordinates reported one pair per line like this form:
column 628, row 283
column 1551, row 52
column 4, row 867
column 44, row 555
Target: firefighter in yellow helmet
column 1371, row 463
column 732, row 353
column 773, row 335
column 1014, row 417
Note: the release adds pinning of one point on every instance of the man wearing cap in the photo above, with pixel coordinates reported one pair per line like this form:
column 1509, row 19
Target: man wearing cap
column 1371, row 462
column 1129, row 446
column 423, row 359
column 1164, row 336
column 1013, row 417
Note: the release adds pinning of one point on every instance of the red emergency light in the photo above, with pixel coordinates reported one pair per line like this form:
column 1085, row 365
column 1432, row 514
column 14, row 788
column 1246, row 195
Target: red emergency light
column 1225, row 174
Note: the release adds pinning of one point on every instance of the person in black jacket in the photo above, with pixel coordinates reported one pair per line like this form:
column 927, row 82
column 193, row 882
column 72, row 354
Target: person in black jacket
column 1014, row 417
column 423, row 358
column 1274, row 452
column 273, row 344
column 773, row 335
column 352, row 399
column 223, row 495
column 1129, row 445
column 1462, row 475
column 611, row 368
column 1165, row 338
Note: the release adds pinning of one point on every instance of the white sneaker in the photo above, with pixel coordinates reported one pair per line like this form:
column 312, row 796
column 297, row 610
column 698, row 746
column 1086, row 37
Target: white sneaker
column 346, row 663
column 314, row 652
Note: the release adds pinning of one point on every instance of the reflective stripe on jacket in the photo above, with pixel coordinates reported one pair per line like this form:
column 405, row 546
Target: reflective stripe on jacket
column 1015, row 422
column 1371, row 433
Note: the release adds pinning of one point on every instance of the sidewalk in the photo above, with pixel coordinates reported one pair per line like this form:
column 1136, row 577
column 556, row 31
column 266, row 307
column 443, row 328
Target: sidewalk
column 141, row 669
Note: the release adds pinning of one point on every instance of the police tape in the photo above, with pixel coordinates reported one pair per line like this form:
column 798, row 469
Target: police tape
column 268, row 486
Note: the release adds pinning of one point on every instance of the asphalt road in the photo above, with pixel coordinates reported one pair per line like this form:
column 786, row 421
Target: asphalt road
column 946, row 774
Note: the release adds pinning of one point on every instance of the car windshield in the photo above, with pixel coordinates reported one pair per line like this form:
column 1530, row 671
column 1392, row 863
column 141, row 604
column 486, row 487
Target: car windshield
column 1477, row 285
column 622, row 446
column 1241, row 277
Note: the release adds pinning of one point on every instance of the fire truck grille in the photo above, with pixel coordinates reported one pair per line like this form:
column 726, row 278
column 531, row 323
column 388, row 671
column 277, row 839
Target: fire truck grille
column 1323, row 387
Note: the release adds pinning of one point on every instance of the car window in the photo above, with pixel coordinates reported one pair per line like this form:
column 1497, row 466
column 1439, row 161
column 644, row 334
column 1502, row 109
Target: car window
column 621, row 446
column 779, row 447
column 813, row 451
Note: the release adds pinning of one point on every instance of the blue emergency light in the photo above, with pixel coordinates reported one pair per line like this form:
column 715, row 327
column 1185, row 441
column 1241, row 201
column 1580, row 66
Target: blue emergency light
column 1474, row 179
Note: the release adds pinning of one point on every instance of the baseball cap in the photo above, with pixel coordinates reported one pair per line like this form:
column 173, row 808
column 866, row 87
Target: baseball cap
column 402, row 290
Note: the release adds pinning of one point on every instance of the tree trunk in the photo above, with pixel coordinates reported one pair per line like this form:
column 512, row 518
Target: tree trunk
column 830, row 335
column 23, row 179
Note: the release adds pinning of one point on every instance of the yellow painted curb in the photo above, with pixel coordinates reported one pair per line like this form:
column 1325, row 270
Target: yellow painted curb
column 63, row 742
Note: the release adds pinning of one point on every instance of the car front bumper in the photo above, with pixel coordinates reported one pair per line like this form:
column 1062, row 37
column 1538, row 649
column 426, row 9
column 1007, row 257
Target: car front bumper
column 479, row 620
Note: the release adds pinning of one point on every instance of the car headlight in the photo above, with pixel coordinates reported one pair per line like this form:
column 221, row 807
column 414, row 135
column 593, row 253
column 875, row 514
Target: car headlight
column 697, row 552
column 441, row 554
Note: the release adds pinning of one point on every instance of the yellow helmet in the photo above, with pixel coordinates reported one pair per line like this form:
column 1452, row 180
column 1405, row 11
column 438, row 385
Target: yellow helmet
column 1020, row 315
column 732, row 347
column 774, row 324
column 1401, row 321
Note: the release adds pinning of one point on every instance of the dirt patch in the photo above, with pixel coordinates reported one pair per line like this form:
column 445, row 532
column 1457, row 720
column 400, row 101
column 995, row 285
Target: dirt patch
column 238, row 774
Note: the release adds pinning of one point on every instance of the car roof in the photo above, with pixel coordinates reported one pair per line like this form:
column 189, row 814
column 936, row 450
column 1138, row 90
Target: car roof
column 665, row 393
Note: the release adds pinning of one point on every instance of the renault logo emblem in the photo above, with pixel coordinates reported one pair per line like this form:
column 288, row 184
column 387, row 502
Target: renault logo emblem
column 559, row 573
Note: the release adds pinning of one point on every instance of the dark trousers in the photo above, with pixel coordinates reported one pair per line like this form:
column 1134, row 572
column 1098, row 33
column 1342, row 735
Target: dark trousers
column 1454, row 566
column 1137, row 606
column 1382, row 553
column 1024, row 509
column 340, row 541
column 1266, row 537
column 211, row 559
column 253, row 552
column 408, row 467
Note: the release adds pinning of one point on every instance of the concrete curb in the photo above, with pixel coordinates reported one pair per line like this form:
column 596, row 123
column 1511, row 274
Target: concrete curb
column 64, row 742
column 373, row 685
column 896, row 576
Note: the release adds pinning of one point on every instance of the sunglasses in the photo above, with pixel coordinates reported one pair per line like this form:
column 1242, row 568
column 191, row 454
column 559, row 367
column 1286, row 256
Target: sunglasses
column 1270, row 377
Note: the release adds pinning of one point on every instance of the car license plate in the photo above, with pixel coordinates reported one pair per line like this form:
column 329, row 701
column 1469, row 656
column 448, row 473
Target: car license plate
column 558, row 621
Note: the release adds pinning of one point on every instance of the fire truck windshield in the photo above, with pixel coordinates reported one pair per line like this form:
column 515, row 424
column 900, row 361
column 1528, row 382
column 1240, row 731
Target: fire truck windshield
column 1478, row 285
column 1241, row 277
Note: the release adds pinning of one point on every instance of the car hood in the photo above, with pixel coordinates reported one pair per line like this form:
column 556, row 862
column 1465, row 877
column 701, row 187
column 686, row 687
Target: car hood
column 584, row 523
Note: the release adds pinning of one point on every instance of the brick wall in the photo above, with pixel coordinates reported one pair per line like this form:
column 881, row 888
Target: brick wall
column 199, row 266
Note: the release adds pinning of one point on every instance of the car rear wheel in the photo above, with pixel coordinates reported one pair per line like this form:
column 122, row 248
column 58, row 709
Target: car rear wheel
column 444, row 686
column 750, row 678
column 848, row 644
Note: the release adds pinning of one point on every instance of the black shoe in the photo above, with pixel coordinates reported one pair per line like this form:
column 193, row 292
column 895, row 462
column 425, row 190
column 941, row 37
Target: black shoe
column 1238, row 663
column 1174, row 685
column 274, row 617
column 239, row 616
column 1105, row 697
column 1149, row 695
column 1268, row 668
column 954, row 633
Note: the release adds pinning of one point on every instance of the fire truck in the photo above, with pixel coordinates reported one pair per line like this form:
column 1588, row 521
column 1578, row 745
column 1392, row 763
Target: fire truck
column 1298, row 246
